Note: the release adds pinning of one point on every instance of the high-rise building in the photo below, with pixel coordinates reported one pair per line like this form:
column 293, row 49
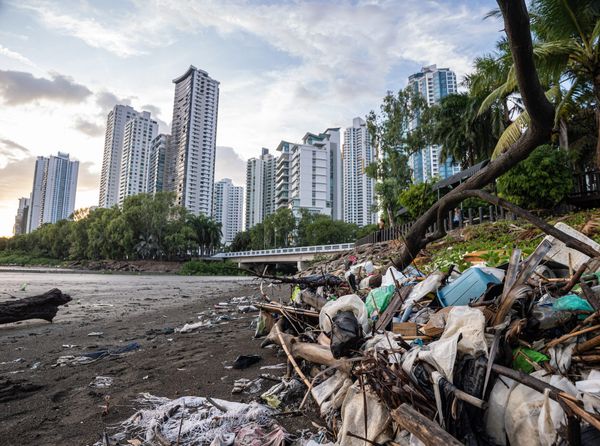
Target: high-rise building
column 140, row 131
column 433, row 84
column 54, row 188
column 20, row 226
column 191, row 159
column 110, row 176
column 358, row 188
column 308, row 175
column 260, row 188
column 156, row 166
column 227, row 208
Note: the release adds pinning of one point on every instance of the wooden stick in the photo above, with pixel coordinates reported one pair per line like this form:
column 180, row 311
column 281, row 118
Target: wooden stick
column 587, row 345
column 429, row 432
column 570, row 335
column 292, row 360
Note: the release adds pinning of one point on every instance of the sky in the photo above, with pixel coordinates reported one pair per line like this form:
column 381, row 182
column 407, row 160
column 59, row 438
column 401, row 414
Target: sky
column 285, row 68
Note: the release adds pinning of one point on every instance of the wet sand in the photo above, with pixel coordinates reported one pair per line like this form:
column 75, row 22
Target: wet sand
column 56, row 405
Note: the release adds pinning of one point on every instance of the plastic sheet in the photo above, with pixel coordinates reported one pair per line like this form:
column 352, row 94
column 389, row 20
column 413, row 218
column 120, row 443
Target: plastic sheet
column 379, row 299
column 350, row 302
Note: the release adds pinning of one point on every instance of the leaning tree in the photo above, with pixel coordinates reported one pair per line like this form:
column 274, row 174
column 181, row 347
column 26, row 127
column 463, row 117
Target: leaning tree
column 541, row 112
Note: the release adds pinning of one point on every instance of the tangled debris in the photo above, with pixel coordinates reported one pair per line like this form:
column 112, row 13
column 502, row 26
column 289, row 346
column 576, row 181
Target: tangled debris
column 490, row 356
column 506, row 355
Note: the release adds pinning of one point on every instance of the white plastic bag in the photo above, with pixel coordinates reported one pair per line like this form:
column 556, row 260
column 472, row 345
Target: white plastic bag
column 350, row 302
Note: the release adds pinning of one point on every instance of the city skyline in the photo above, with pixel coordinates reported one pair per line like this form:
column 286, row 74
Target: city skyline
column 274, row 84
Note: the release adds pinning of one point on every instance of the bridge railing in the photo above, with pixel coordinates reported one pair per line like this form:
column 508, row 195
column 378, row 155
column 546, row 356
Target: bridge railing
column 292, row 250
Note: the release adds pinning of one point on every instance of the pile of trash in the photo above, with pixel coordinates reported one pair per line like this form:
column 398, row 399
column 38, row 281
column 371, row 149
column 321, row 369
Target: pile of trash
column 503, row 355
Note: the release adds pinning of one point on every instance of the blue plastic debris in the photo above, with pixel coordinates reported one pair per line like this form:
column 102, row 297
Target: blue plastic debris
column 471, row 285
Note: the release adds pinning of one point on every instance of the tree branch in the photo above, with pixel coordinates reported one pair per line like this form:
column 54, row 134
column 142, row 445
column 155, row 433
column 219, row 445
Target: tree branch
column 516, row 23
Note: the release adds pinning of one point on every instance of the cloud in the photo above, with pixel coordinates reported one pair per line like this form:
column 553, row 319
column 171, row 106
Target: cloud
column 15, row 56
column 88, row 127
column 11, row 151
column 229, row 164
column 19, row 87
column 88, row 178
column 107, row 100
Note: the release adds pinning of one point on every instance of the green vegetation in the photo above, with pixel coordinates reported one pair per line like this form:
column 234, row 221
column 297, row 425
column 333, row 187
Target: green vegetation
column 210, row 268
column 498, row 239
column 146, row 228
column 418, row 198
column 281, row 229
column 539, row 182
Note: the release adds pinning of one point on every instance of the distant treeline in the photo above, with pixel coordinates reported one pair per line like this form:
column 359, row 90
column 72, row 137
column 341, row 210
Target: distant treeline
column 151, row 227
column 145, row 227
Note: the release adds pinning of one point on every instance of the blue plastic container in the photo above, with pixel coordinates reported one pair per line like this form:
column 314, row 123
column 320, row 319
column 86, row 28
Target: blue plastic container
column 470, row 286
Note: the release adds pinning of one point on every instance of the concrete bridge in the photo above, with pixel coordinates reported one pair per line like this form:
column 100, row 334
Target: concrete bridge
column 298, row 255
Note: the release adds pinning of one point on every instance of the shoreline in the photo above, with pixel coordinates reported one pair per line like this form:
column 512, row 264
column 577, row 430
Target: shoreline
column 125, row 308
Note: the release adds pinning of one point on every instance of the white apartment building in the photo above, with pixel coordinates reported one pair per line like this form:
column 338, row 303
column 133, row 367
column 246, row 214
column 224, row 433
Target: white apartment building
column 194, row 132
column 308, row 175
column 227, row 208
column 358, row 188
column 260, row 188
column 433, row 84
column 156, row 164
column 309, row 179
column 54, row 187
column 140, row 131
column 110, row 176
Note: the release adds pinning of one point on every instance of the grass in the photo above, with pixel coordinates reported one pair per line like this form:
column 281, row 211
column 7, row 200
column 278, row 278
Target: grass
column 498, row 239
column 204, row 268
column 21, row 259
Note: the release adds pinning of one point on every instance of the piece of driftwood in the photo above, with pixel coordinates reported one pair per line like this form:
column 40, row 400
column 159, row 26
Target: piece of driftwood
column 279, row 308
column 313, row 299
column 44, row 306
column 429, row 432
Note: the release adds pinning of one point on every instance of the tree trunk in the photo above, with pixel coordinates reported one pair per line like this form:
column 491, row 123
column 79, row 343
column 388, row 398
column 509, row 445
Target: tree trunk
column 596, row 84
column 563, row 135
column 44, row 307
column 516, row 24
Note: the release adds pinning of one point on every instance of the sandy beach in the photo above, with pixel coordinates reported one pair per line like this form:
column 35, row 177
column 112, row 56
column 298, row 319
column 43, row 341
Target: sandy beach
column 55, row 405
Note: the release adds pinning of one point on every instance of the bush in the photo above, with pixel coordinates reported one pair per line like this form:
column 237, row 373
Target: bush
column 418, row 198
column 540, row 182
column 210, row 268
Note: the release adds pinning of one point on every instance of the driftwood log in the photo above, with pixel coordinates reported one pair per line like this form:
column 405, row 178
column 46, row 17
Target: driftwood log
column 44, row 306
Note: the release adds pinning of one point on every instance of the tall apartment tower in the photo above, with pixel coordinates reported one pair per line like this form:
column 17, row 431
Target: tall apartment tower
column 194, row 133
column 54, row 187
column 433, row 84
column 260, row 188
column 228, row 208
column 358, row 188
column 140, row 131
column 110, row 176
column 157, row 172
column 20, row 226
column 308, row 174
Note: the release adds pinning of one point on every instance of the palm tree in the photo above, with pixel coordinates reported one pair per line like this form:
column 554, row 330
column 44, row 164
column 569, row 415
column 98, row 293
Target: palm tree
column 465, row 136
column 567, row 54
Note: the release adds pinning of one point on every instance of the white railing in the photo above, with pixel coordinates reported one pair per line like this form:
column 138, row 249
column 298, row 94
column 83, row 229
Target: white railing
column 291, row 251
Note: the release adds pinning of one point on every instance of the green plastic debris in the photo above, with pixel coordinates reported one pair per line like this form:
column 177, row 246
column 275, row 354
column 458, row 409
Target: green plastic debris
column 524, row 359
column 296, row 295
column 572, row 302
column 379, row 299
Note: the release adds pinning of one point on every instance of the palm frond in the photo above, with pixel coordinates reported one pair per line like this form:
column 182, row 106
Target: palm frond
column 501, row 92
column 512, row 133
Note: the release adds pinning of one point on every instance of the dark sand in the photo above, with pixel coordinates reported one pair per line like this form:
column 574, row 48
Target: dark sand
column 66, row 410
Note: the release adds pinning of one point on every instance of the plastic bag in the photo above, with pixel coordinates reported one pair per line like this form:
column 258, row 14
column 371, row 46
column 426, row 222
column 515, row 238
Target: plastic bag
column 379, row 299
column 346, row 334
column 523, row 358
column 350, row 302
column 572, row 302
